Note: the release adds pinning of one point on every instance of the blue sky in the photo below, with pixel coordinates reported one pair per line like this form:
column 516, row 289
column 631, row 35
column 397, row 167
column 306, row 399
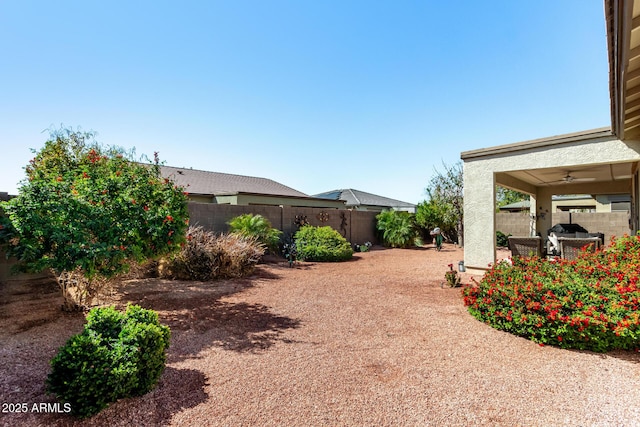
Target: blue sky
column 371, row 95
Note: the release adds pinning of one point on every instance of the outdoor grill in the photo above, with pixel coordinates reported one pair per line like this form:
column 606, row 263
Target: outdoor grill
column 566, row 232
column 566, row 229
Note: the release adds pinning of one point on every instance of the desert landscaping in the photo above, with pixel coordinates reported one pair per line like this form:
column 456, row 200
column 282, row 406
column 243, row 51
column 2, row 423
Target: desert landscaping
column 377, row 340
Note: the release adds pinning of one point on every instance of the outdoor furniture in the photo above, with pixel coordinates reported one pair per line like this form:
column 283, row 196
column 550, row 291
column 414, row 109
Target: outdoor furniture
column 525, row 246
column 570, row 248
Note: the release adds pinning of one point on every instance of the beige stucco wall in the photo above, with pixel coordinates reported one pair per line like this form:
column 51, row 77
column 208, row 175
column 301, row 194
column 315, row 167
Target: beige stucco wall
column 258, row 199
column 482, row 170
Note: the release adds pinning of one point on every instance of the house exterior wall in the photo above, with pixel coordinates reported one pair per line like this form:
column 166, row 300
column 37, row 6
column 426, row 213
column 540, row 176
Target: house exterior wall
column 482, row 167
column 479, row 215
column 200, row 198
column 259, row 199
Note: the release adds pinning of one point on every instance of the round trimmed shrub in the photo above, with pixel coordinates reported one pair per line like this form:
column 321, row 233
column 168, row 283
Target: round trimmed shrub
column 117, row 355
column 321, row 244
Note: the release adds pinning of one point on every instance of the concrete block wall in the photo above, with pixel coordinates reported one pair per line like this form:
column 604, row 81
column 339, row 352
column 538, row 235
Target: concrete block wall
column 608, row 223
column 356, row 226
column 516, row 223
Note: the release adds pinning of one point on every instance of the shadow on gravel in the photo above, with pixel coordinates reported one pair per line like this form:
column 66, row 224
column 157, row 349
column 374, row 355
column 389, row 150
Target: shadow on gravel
column 239, row 327
column 199, row 318
column 177, row 390
column 626, row 355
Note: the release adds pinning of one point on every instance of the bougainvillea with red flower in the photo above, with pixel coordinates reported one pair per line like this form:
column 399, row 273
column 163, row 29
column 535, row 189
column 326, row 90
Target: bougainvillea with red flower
column 87, row 208
column 588, row 303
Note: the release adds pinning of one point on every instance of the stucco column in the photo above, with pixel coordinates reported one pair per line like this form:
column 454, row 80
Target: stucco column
column 543, row 211
column 479, row 217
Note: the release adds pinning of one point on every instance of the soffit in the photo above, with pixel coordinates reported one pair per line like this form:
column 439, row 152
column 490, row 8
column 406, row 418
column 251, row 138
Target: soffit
column 579, row 174
column 629, row 43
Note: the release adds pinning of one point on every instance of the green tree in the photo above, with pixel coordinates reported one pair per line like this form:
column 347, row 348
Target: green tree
column 397, row 227
column 85, row 212
column 444, row 206
column 506, row 196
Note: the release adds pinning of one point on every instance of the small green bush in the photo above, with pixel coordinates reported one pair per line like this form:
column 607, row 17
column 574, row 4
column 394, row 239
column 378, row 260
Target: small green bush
column 321, row 244
column 589, row 303
column 117, row 355
column 257, row 226
column 398, row 228
column 502, row 240
column 207, row 256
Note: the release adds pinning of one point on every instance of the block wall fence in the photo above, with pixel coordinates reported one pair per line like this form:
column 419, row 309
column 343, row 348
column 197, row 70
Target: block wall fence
column 359, row 226
column 608, row 223
column 355, row 226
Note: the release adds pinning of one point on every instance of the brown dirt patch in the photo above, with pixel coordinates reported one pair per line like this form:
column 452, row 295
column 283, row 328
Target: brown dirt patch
column 372, row 341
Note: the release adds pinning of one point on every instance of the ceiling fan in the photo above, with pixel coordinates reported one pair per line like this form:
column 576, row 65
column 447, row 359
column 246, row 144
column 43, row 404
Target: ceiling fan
column 568, row 179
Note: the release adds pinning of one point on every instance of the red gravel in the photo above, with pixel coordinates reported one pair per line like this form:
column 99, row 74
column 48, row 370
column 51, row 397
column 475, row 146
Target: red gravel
column 373, row 341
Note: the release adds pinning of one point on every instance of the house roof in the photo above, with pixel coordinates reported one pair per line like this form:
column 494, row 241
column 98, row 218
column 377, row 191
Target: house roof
column 217, row 183
column 552, row 141
column 357, row 198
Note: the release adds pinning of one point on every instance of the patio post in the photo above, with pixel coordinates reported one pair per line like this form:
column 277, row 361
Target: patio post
column 542, row 211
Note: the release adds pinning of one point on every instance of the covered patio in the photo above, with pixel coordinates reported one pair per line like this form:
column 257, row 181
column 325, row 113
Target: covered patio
column 598, row 161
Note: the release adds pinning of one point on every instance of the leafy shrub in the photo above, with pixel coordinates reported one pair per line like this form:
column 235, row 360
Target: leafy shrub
column 117, row 355
column 502, row 239
column 89, row 210
column 250, row 225
column 398, row 228
column 207, row 256
column 589, row 303
column 321, row 244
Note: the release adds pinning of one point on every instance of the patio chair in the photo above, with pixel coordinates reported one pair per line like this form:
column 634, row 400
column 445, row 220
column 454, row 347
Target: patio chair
column 525, row 246
column 570, row 248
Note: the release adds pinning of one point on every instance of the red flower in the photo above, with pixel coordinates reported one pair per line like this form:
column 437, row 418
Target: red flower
column 169, row 218
column 146, row 208
column 560, row 339
column 133, row 201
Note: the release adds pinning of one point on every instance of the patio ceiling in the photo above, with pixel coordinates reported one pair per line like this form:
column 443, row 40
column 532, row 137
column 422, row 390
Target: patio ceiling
column 574, row 175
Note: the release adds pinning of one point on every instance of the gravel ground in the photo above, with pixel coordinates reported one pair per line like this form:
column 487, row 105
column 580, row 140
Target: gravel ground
column 373, row 341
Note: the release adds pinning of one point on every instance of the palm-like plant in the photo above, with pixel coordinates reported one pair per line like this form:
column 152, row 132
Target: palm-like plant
column 256, row 226
column 397, row 227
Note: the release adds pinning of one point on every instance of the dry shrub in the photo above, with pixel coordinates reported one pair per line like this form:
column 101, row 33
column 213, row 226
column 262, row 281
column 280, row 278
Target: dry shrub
column 79, row 291
column 237, row 254
column 206, row 256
